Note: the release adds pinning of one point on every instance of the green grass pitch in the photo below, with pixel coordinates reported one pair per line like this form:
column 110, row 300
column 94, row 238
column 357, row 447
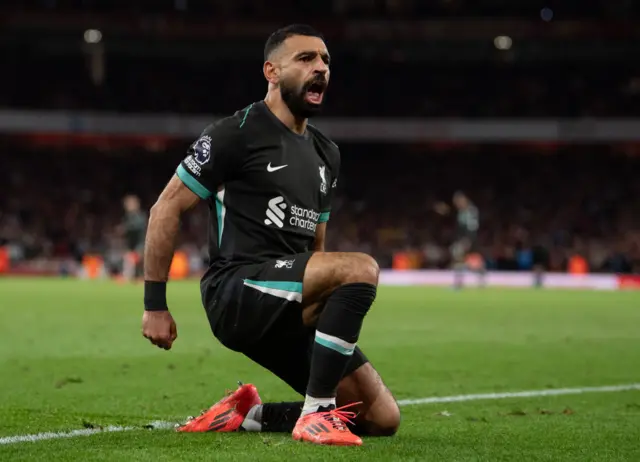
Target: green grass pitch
column 71, row 356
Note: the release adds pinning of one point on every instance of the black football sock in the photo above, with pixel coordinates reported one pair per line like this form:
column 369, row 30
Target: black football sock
column 537, row 278
column 458, row 275
column 273, row 417
column 482, row 277
column 336, row 337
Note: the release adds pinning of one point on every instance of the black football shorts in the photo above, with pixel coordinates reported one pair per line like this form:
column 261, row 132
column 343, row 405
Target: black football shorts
column 256, row 309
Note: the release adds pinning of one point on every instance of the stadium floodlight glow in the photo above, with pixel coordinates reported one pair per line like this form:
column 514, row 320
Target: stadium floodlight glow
column 92, row 36
column 503, row 42
column 546, row 14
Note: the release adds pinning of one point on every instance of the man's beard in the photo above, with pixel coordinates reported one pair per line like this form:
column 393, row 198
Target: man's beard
column 295, row 100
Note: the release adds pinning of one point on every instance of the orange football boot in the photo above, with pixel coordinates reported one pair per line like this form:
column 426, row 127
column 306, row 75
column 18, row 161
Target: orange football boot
column 227, row 414
column 327, row 426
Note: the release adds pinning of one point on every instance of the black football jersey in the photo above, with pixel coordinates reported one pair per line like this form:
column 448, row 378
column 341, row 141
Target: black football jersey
column 267, row 187
column 468, row 222
column 135, row 227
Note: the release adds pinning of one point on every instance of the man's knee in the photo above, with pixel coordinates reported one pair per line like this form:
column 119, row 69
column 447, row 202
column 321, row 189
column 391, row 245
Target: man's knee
column 362, row 268
column 327, row 271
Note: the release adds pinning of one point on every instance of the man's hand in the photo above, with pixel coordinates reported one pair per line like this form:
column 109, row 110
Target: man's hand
column 160, row 328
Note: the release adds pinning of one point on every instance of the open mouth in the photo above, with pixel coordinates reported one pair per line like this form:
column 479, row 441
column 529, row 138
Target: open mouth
column 315, row 91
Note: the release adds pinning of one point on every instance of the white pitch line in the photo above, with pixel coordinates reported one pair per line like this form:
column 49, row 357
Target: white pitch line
column 519, row 394
column 155, row 425
column 163, row 425
column 57, row 435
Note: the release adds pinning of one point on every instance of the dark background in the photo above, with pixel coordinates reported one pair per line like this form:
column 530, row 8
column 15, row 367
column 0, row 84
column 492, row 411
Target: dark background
column 441, row 61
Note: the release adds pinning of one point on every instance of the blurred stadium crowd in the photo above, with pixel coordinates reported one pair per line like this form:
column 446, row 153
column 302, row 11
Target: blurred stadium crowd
column 580, row 200
column 386, row 89
column 441, row 60
column 341, row 9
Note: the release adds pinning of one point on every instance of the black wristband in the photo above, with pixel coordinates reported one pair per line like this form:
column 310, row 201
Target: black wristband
column 155, row 296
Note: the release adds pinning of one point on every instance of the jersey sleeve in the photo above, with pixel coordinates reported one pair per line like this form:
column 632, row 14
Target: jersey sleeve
column 332, row 183
column 212, row 159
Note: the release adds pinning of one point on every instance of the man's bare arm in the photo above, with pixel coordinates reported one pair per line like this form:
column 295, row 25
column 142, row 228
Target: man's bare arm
column 164, row 223
column 321, row 232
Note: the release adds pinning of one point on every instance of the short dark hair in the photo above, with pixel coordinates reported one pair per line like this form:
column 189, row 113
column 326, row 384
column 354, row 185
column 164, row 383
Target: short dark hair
column 279, row 36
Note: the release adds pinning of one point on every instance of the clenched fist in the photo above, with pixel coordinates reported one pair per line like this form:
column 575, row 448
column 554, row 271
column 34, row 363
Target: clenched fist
column 160, row 328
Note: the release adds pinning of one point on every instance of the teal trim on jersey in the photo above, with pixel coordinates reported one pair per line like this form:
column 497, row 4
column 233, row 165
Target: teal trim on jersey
column 324, row 217
column 291, row 291
column 246, row 113
column 191, row 183
column 221, row 211
column 334, row 346
column 287, row 286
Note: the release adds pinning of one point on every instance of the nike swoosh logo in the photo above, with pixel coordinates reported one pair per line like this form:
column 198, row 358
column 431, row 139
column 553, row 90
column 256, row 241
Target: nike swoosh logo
column 273, row 169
